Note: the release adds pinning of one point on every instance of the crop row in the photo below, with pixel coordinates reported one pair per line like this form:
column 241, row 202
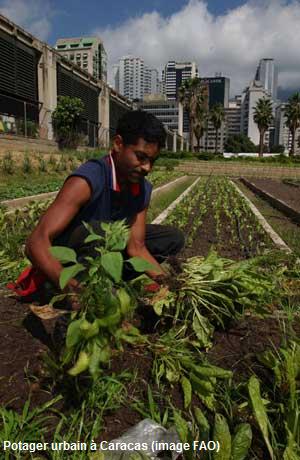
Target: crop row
column 218, row 215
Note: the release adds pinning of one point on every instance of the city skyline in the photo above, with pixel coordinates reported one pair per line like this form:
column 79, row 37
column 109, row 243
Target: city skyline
column 228, row 37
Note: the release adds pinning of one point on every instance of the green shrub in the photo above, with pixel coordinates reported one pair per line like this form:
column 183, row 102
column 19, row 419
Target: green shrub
column 42, row 164
column 26, row 166
column 66, row 121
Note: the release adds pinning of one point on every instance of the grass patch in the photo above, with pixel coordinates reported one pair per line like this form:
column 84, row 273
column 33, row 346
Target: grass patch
column 163, row 199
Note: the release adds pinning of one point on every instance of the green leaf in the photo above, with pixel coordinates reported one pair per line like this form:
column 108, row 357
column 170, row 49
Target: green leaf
column 68, row 273
column 95, row 360
column 203, row 424
column 81, row 364
column 112, row 262
column 203, row 330
column 63, row 254
column 74, row 334
column 241, row 442
column 93, row 237
column 260, row 411
column 141, row 265
column 181, row 426
column 222, row 435
column 187, row 391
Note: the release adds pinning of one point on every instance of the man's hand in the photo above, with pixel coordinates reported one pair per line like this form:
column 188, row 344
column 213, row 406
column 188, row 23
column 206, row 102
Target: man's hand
column 74, row 289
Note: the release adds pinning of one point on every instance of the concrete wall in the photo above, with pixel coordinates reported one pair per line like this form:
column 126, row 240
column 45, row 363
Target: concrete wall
column 20, row 144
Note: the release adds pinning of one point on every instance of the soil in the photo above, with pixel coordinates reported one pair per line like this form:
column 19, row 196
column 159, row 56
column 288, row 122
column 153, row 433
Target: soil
column 287, row 193
column 232, row 242
column 23, row 342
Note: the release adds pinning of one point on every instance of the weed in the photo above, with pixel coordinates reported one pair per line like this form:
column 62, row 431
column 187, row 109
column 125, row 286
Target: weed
column 8, row 164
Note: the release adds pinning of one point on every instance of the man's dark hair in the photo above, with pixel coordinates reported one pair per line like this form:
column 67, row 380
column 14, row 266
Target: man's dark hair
column 137, row 124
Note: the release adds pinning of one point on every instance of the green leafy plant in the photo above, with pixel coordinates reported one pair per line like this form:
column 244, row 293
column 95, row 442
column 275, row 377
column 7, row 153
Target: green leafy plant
column 284, row 400
column 213, row 289
column 105, row 298
column 29, row 426
column 27, row 165
column 176, row 361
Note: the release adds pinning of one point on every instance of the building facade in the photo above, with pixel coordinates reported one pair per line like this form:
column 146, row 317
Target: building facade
column 134, row 79
column 86, row 52
column 233, row 116
column 250, row 96
column 267, row 74
column 165, row 110
column 218, row 88
column 174, row 74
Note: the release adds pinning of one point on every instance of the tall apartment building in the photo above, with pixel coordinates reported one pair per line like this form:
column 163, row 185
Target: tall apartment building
column 282, row 132
column 267, row 74
column 233, row 116
column 218, row 93
column 87, row 52
column 218, row 88
column 174, row 74
column 250, row 96
column 133, row 78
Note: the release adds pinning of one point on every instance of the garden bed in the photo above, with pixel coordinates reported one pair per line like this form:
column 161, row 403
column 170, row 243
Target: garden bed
column 280, row 190
column 213, row 217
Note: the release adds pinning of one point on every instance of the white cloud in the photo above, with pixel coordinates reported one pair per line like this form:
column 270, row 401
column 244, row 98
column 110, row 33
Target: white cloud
column 33, row 15
column 231, row 43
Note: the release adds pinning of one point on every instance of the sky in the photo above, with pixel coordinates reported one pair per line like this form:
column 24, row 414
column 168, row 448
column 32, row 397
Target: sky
column 220, row 36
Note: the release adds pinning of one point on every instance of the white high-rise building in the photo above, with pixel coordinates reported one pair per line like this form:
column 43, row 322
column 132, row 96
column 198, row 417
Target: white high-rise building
column 175, row 73
column 267, row 74
column 134, row 79
column 283, row 135
column 250, row 96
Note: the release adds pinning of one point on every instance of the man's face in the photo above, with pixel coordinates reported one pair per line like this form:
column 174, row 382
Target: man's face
column 133, row 162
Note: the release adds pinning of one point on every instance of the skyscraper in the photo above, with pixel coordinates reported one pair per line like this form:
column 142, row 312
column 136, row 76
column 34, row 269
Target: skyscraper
column 133, row 78
column 267, row 74
column 87, row 52
column 174, row 74
column 250, row 96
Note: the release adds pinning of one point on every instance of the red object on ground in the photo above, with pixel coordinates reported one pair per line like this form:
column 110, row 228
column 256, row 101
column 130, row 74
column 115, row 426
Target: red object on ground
column 28, row 282
column 153, row 287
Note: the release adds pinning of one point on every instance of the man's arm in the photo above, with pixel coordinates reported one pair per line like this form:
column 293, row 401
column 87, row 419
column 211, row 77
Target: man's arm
column 73, row 195
column 136, row 244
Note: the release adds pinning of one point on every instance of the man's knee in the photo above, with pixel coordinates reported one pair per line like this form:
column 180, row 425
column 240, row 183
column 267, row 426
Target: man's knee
column 177, row 238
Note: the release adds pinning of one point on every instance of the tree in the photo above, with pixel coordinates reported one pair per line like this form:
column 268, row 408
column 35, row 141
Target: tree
column 190, row 95
column 217, row 116
column 292, row 113
column 200, row 122
column 65, row 119
column 239, row 143
column 263, row 117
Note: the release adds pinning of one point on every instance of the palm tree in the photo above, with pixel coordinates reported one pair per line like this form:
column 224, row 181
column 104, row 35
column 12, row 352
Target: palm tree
column 263, row 117
column 188, row 95
column 217, row 116
column 292, row 113
column 199, row 129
